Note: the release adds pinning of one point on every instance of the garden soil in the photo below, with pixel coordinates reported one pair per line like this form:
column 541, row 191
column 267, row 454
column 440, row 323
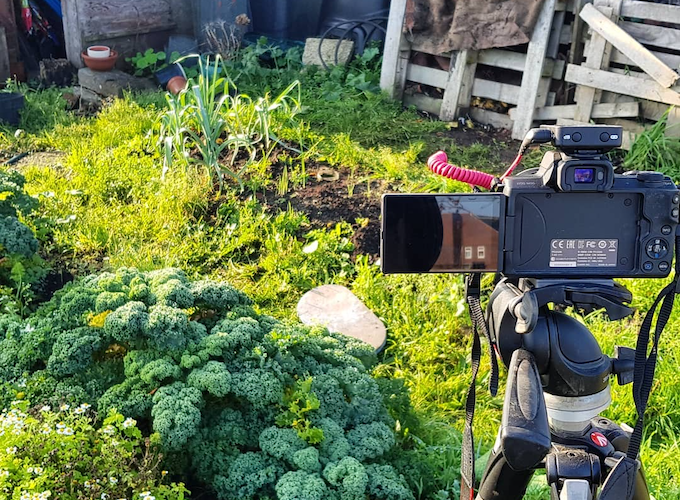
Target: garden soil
column 327, row 202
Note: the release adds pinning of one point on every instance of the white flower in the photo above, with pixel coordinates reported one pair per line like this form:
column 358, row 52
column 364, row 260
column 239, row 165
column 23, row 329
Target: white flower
column 130, row 422
column 85, row 406
column 88, row 484
column 113, row 480
column 27, row 329
column 11, row 450
column 79, row 411
column 164, row 473
column 46, row 408
column 109, row 430
column 4, row 473
column 61, row 425
column 64, row 407
column 104, row 496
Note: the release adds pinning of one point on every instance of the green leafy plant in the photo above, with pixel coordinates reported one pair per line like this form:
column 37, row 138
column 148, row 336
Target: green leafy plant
column 228, row 391
column 147, row 63
column 63, row 453
column 205, row 125
column 299, row 401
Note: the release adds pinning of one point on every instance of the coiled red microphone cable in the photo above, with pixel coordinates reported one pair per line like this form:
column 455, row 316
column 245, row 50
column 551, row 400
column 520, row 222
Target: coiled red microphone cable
column 438, row 164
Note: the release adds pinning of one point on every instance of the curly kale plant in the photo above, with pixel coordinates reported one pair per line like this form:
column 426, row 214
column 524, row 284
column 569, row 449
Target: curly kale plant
column 19, row 264
column 250, row 406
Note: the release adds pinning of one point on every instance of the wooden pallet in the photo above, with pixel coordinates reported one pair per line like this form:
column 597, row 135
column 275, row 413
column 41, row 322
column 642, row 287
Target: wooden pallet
column 624, row 66
column 460, row 84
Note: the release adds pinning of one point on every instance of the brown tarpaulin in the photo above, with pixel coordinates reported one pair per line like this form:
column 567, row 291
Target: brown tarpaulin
column 439, row 26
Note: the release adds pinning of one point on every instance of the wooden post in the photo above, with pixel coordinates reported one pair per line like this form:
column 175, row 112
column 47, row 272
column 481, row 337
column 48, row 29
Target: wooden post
column 4, row 57
column 395, row 61
column 596, row 59
column 531, row 78
column 458, row 90
column 576, row 50
column 72, row 32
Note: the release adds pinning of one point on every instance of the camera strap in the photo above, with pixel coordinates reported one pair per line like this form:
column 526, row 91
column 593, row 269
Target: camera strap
column 645, row 365
column 479, row 327
column 620, row 483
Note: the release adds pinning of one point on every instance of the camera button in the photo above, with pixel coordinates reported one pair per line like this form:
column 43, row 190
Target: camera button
column 663, row 266
column 647, row 266
column 666, row 230
column 657, row 248
column 676, row 199
column 604, row 136
column 576, row 137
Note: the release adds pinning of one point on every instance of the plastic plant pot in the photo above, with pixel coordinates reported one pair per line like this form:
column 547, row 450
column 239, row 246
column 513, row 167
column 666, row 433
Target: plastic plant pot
column 10, row 105
column 99, row 52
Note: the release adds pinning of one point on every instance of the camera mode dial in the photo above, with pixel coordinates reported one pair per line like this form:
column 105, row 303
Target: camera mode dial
column 657, row 248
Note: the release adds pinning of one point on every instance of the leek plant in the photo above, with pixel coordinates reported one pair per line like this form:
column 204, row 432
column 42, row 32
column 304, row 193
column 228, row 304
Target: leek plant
column 211, row 125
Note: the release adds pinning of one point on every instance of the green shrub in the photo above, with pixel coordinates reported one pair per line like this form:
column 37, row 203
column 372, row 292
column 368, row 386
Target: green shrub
column 249, row 405
column 63, row 454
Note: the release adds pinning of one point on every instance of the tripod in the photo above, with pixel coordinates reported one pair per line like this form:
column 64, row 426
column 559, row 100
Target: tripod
column 558, row 384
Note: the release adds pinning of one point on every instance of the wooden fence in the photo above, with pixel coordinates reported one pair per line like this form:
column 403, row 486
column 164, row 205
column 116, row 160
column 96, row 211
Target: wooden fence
column 623, row 69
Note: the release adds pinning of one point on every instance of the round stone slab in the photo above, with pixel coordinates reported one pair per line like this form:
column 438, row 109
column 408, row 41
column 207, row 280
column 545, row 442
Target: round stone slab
column 339, row 310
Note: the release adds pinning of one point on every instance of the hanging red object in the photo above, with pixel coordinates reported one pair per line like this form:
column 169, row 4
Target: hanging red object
column 26, row 16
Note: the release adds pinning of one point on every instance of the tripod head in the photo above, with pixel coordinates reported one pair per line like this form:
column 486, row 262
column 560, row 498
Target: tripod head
column 574, row 373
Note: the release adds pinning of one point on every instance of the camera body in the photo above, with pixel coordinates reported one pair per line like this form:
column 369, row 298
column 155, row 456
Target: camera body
column 572, row 217
column 575, row 217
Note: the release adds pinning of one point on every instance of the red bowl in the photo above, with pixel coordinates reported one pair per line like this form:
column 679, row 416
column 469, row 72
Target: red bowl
column 100, row 63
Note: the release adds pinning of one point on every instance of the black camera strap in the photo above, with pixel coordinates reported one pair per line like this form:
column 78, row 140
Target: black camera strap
column 645, row 365
column 479, row 327
column 620, row 484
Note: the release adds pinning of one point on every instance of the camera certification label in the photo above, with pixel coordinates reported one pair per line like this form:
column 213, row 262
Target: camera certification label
column 584, row 253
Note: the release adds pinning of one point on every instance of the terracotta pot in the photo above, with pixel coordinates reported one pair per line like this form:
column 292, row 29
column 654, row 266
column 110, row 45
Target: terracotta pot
column 100, row 63
column 176, row 84
column 99, row 51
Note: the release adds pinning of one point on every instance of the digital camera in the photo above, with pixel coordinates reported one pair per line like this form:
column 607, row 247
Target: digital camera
column 570, row 217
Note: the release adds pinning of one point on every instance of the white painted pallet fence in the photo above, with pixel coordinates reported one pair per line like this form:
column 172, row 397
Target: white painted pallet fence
column 628, row 70
column 459, row 84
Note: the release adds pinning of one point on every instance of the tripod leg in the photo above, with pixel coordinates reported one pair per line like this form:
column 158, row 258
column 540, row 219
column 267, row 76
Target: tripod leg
column 525, row 434
column 500, row 482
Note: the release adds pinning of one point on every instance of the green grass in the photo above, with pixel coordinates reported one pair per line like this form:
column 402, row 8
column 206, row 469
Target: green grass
column 653, row 150
column 108, row 207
